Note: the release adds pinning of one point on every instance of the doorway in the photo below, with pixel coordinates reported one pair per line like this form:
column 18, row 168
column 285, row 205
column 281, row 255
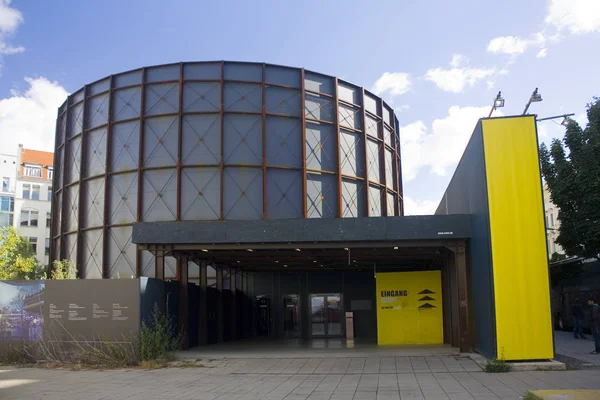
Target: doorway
column 291, row 316
column 326, row 315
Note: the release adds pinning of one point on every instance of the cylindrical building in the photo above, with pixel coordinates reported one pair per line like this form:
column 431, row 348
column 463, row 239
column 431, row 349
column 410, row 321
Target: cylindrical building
column 214, row 141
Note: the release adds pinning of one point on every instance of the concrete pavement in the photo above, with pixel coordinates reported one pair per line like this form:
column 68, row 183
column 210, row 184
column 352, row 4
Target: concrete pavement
column 425, row 378
column 566, row 345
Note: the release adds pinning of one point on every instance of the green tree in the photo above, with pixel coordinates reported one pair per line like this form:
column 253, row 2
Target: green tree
column 17, row 258
column 64, row 269
column 571, row 168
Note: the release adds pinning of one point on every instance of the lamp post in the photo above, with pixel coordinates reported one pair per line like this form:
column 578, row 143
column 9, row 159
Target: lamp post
column 534, row 98
column 498, row 102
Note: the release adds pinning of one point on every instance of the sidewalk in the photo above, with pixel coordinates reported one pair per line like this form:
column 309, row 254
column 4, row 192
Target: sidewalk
column 579, row 349
column 222, row 380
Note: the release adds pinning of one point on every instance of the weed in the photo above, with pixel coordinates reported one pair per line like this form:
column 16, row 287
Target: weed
column 159, row 337
column 498, row 365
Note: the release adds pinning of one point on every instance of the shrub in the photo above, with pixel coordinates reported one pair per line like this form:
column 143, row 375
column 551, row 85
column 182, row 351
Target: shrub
column 159, row 337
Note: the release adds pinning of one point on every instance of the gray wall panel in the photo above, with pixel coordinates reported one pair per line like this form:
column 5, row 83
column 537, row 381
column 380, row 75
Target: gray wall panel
column 123, row 198
column 121, row 252
column 96, row 152
column 242, row 142
column 92, row 254
column 201, row 140
column 242, row 193
column 201, row 96
column 321, row 147
column 162, row 98
column 284, row 194
column 160, row 141
column 200, row 193
column 467, row 194
column 159, row 200
column 128, row 78
column 284, row 142
column 202, row 71
column 125, row 146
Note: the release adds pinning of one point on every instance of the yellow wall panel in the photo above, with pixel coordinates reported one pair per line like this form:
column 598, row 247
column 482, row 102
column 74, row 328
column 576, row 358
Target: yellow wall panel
column 409, row 308
column 518, row 239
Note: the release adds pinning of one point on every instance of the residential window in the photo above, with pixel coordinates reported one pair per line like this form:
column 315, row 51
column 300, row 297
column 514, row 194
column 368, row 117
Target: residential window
column 551, row 220
column 31, row 191
column 5, row 184
column 50, row 172
column 5, row 220
column 32, row 170
column 48, row 219
column 49, row 193
column 33, row 241
column 35, row 192
column 7, row 204
column 47, row 251
column 29, row 218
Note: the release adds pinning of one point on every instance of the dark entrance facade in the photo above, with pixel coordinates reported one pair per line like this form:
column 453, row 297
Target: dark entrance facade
column 297, row 279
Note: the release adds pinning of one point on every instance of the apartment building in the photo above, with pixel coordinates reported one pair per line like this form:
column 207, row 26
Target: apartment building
column 33, row 197
column 552, row 224
column 8, row 174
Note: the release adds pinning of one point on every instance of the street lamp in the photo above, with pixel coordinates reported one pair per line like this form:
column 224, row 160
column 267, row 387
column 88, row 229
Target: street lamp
column 566, row 121
column 498, row 102
column 535, row 98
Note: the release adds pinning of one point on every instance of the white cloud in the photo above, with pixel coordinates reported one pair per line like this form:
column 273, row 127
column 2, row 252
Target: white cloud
column 460, row 75
column 402, row 107
column 440, row 146
column 30, row 118
column 10, row 19
column 507, row 45
column 514, row 45
column 542, row 53
column 577, row 16
column 396, row 83
column 419, row 207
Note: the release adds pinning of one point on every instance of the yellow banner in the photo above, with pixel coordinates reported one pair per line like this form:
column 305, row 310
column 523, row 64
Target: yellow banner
column 409, row 308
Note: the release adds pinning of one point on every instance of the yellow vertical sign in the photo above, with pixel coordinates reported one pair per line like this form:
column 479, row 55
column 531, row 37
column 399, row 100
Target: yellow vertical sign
column 409, row 308
column 518, row 239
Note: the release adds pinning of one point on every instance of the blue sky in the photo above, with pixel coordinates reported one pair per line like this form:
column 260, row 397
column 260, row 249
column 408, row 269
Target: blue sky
column 439, row 63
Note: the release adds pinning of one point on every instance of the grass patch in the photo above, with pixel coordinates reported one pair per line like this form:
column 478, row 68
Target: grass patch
column 497, row 366
column 150, row 349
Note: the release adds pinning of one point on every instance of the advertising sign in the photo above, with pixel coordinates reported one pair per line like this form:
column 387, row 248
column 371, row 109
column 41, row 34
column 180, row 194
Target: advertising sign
column 409, row 308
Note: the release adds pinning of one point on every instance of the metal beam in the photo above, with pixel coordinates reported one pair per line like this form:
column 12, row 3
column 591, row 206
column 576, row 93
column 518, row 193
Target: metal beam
column 182, row 272
column 107, row 185
column 303, row 127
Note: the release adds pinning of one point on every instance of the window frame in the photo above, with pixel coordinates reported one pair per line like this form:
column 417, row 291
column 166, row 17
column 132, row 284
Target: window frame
column 50, row 173
column 32, row 170
column 29, row 220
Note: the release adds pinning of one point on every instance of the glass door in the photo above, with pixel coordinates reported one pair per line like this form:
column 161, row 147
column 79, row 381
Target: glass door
column 326, row 315
column 291, row 316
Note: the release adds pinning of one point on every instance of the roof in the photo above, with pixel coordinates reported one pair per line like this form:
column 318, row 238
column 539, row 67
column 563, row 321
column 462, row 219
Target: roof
column 43, row 158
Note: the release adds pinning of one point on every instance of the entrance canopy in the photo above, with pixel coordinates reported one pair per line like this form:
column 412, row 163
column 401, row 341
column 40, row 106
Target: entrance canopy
column 307, row 243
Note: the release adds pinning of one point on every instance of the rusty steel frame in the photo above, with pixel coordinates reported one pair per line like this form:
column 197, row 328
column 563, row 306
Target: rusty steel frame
column 59, row 232
column 336, row 111
column 82, row 196
column 381, row 146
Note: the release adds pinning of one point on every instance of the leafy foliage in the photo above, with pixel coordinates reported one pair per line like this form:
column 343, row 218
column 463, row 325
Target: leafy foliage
column 159, row 337
column 64, row 269
column 17, row 258
column 571, row 168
